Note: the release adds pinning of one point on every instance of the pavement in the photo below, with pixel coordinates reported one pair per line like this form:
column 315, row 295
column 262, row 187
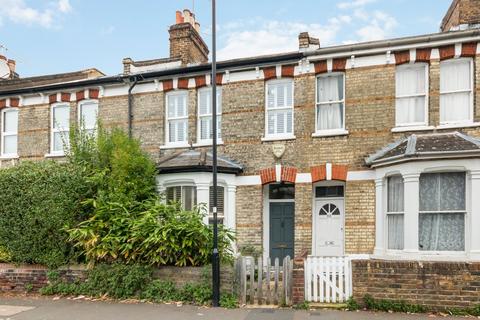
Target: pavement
column 44, row 308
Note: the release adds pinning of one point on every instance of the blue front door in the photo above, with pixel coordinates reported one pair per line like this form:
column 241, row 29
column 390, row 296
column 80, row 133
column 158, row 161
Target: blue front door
column 281, row 230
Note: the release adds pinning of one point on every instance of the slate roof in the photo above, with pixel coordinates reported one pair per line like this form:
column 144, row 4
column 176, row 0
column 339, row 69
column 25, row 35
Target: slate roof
column 196, row 161
column 426, row 146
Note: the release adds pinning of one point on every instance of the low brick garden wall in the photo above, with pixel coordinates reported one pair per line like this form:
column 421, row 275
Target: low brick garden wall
column 438, row 285
column 23, row 278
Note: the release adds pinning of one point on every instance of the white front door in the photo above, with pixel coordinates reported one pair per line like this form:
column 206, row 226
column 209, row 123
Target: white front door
column 328, row 220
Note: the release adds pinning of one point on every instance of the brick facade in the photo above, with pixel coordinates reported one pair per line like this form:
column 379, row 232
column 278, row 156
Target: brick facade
column 461, row 12
column 438, row 285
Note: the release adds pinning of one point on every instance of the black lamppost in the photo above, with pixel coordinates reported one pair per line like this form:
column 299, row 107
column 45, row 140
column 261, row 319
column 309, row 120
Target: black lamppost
column 215, row 255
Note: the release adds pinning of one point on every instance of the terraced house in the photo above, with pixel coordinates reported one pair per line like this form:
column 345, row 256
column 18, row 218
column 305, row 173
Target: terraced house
column 369, row 150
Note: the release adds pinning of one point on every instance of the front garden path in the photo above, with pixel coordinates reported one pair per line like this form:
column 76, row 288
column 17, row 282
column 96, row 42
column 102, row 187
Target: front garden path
column 41, row 308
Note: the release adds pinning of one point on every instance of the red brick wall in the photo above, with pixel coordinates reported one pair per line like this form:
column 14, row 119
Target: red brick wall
column 438, row 285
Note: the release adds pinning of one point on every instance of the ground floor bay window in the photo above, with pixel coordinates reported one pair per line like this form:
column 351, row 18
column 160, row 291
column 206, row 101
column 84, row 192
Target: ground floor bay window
column 427, row 210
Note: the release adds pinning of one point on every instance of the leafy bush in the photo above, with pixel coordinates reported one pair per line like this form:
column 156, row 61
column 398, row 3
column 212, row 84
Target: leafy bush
column 229, row 301
column 150, row 233
column 116, row 167
column 305, row 305
column 352, row 304
column 5, row 255
column 38, row 200
column 160, row 291
column 389, row 305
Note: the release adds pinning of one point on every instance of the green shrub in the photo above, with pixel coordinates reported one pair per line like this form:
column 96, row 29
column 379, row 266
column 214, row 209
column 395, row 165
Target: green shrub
column 150, row 233
column 5, row 255
column 352, row 304
column 229, row 301
column 395, row 306
column 305, row 305
column 160, row 291
column 38, row 201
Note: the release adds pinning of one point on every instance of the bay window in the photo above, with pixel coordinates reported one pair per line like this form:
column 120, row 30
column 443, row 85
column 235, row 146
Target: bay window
column 395, row 212
column 9, row 132
column 411, row 85
column 330, row 104
column 60, row 128
column 220, row 204
column 279, row 109
column 186, row 196
column 442, row 212
column 456, row 91
column 205, row 115
column 177, row 118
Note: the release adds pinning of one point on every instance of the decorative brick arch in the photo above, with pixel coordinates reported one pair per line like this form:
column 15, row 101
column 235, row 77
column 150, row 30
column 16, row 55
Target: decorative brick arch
column 329, row 172
column 286, row 174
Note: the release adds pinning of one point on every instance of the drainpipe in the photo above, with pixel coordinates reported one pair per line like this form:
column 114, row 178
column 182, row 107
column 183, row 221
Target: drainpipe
column 130, row 106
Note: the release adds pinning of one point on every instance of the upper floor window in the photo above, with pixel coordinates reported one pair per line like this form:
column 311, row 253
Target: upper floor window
column 177, row 118
column 442, row 211
column 87, row 116
column 411, row 84
column 456, row 96
column 279, row 109
column 186, row 196
column 205, row 115
column 395, row 213
column 60, row 128
column 9, row 132
column 330, row 109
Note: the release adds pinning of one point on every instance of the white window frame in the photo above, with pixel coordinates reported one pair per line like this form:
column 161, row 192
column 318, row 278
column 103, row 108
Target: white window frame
column 329, row 132
column 284, row 136
column 182, row 194
column 201, row 141
column 6, row 134
column 54, row 130
column 472, row 88
column 387, row 213
column 427, row 96
column 177, row 144
column 79, row 115
column 411, row 172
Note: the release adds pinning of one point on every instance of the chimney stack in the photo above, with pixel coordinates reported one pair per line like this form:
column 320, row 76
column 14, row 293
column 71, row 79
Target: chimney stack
column 185, row 40
column 462, row 15
column 11, row 66
column 307, row 43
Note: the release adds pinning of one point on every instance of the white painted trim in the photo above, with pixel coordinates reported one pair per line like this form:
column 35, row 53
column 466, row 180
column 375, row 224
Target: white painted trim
column 303, row 178
column 79, row 111
column 330, row 133
column 328, row 168
column 59, row 153
column 458, row 125
column 278, row 172
column 412, row 128
column 317, row 104
column 279, row 136
column 3, row 134
column 206, row 142
column 248, row 181
column 177, row 144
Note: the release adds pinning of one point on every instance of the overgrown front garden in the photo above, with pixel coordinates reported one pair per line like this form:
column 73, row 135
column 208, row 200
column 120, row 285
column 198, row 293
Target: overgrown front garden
column 100, row 208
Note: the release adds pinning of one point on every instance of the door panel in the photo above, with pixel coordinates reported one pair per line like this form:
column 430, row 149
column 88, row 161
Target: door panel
column 328, row 226
column 282, row 224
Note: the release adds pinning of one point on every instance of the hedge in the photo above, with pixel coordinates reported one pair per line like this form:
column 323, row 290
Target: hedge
column 39, row 202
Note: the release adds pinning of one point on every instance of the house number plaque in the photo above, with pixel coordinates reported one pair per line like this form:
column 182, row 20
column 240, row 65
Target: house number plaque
column 278, row 150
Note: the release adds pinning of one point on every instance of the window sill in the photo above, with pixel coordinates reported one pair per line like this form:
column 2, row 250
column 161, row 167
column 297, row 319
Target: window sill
column 55, row 155
column 423, row 255
column 412, row 128
column 330, row 133
column 278, row 138
column 175, row 146
column 9, row 157
column 207, row 143
column 458, row 125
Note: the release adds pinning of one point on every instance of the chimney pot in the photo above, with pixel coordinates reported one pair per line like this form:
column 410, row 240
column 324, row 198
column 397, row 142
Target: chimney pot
column 178, row 17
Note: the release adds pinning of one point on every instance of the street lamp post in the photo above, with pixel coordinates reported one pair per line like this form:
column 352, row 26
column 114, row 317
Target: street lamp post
column 215, row 255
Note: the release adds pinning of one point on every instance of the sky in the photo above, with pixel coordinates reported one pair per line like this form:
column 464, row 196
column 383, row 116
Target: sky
column 55, row 36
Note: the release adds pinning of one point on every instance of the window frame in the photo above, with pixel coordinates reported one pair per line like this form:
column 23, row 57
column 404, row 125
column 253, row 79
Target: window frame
column 4, row 134
column 388, row 213
column 322, row 132
column 224, row 213
column 54, row 130
column 465, row 213
column 79, row 113
column 282, row 136
column 427, row 94
column 471, row 92
column 201, row 141
column 178, row 144
column 182, row 186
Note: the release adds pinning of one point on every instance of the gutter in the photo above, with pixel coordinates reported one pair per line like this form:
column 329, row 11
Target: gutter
column 247, row 64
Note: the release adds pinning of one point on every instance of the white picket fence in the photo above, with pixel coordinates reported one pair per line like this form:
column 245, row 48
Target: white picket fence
column 328, row 279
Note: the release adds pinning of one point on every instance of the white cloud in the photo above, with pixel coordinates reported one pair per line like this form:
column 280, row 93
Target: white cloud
column 354, row 4
column 258, row 37
column 379, row 27
column 19, row 12
column 64, row 6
